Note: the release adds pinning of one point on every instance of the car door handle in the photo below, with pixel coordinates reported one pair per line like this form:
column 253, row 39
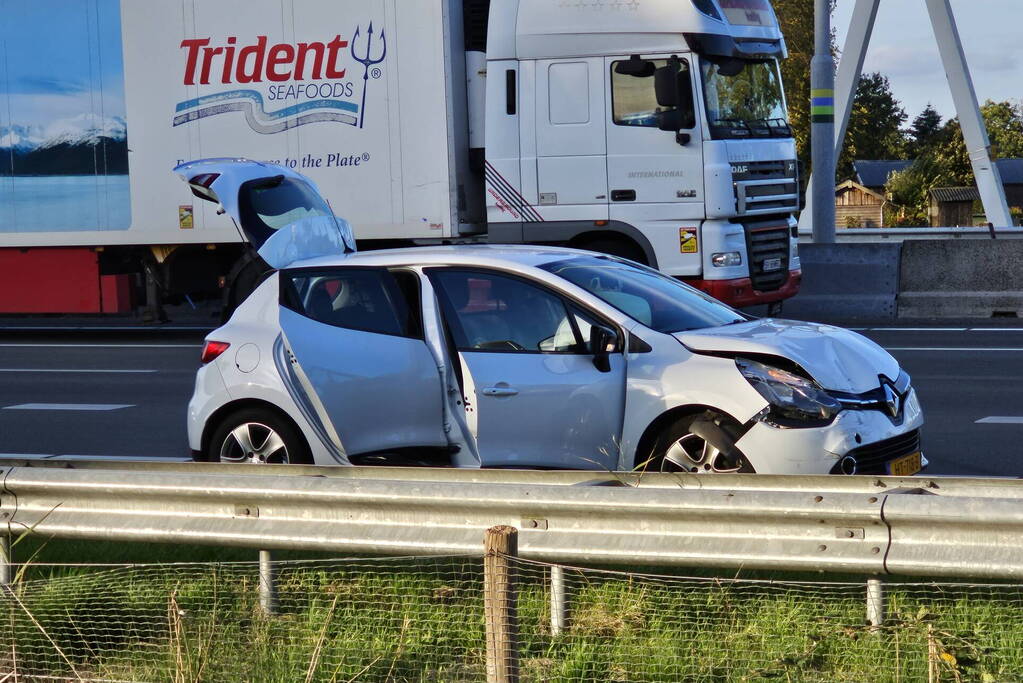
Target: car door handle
column 500, row 391
column 623, row 195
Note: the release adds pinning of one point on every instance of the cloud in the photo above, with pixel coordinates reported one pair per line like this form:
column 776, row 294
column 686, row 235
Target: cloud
column 904, row 61
column 45, row 85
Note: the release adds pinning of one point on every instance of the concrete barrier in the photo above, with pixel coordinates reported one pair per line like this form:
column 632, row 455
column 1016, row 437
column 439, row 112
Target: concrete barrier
column 961, row 279
column 847, row 281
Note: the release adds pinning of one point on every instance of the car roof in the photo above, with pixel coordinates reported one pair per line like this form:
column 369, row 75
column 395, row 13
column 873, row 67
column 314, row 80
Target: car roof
column 453, row 254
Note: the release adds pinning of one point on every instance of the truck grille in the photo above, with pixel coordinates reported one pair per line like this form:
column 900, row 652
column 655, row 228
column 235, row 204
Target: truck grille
column 763, row 187
column 874, row 458
column 768, row 249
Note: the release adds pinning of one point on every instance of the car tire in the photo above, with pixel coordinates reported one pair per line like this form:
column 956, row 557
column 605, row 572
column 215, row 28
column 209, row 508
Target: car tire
column 678, row 449
column 258, row 436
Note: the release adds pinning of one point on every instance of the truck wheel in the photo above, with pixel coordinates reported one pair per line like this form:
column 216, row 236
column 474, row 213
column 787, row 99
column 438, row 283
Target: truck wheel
column 620, row 248
column 258, row 436
column 678, row 449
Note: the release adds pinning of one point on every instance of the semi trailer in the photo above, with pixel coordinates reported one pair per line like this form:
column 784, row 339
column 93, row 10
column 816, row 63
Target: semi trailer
column 650, row 129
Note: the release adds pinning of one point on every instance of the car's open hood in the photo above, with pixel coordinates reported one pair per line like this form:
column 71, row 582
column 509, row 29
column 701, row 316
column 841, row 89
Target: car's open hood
column 836, row 358
column 280, row 212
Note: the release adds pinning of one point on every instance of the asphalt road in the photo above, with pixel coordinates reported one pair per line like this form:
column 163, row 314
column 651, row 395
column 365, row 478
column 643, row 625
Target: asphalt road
column 73, row 393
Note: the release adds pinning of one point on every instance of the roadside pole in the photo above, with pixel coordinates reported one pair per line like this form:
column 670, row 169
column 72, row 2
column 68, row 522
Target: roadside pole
column 822, row 134
column 500, row 596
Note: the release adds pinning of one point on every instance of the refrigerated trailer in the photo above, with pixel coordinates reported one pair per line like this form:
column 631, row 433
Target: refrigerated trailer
column 650, row 129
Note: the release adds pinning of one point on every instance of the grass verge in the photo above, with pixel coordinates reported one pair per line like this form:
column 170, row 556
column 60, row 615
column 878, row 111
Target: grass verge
column 421, row 619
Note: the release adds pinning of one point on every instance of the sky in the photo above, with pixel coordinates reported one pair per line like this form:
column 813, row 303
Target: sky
column 904, row 49
column 60, row 59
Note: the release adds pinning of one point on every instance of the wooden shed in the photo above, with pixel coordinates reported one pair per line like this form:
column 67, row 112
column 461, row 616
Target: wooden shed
column 857, row 206
column 952, row 207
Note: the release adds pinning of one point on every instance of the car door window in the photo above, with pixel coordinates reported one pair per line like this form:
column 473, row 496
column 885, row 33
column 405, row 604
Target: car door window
column 371, row 300
column 491, row 312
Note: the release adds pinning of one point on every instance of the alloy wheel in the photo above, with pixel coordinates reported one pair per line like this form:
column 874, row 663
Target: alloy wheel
column 255, row 443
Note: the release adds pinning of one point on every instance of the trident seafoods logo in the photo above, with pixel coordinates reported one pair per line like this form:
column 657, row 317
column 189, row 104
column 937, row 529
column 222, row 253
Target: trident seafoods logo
column 282, row 86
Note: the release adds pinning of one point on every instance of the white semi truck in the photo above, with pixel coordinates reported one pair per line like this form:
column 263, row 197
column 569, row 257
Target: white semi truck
column 651, row 129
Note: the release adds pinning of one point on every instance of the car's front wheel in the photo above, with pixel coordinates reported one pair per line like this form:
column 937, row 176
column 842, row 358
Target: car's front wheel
column 257, row 436
column 698, row 444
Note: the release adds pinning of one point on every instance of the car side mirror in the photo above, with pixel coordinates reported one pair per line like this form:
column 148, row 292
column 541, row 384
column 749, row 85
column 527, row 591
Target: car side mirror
column 603, row 342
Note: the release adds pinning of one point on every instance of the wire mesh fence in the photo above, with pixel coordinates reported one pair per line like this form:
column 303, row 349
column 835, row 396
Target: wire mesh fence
column 423, row 619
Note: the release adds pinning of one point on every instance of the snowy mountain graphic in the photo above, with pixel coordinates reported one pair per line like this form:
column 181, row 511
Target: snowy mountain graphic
column 82, row 145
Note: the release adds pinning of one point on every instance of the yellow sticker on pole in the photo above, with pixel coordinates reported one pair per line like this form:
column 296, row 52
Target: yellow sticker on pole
column 688, row 243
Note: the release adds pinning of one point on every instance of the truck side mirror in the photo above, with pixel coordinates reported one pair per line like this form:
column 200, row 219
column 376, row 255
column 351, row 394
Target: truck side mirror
column 674, row 88
column 635, row 66
column 603, row 342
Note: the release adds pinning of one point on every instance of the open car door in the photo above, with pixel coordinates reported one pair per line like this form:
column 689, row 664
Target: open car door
column 278, row 211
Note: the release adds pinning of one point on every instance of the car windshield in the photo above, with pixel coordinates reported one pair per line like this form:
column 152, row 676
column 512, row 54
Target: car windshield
column 660, row 302
column 744, row 99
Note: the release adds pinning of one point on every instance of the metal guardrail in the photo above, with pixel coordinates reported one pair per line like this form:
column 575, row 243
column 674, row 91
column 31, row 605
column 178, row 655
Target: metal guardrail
column 903, row 234
column 906, row 526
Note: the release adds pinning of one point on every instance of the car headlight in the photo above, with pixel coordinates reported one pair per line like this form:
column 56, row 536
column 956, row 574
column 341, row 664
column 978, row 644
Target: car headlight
column 795, row 401
column 728, row 258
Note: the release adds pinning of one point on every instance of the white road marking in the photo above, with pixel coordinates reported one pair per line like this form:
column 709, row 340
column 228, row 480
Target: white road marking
column 133, row 372
column 69, row 406
column 952, row 348
column 918, row 329
column 996, row 329
column 101, row 346
column 90, row 328
column 1000, row 420
column 120, row 458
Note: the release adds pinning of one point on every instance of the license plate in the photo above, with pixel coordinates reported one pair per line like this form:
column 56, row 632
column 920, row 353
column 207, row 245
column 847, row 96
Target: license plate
column 772, row 264
column 906, row 465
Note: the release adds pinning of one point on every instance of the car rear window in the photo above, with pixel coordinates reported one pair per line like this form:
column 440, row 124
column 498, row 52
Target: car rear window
column 367, row 299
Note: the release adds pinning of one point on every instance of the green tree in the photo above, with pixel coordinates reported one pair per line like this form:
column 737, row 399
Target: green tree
column 908, row 192
column 875, row 125
column 1004, row 122
column 796, row 19
column 925, row 131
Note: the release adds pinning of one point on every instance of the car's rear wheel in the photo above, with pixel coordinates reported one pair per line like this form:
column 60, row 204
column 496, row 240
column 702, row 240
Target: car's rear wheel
column 258, row 436
column 685, row 445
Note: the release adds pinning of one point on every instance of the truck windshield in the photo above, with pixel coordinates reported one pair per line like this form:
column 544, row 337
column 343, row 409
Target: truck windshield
column 651, row 298
column 744, row 99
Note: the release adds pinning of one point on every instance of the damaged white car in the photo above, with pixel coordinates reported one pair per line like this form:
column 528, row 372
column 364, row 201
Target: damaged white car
column 519, row 357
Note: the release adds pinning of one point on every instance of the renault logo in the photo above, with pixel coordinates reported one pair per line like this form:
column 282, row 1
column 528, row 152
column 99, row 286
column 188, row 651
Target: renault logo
column 892, row 400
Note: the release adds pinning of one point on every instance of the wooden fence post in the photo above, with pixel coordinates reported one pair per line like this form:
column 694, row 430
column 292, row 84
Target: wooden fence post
column 499, row 603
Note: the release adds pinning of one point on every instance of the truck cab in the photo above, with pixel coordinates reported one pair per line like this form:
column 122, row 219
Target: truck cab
column 651, row 129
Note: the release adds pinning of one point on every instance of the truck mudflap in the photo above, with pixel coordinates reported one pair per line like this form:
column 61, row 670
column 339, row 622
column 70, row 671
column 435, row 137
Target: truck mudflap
column 740, row 292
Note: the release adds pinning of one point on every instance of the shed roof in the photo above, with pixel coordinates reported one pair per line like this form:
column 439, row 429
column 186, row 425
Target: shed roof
column 1011, row 171
column 853, row 185
column 955, row 194
column 876, row 173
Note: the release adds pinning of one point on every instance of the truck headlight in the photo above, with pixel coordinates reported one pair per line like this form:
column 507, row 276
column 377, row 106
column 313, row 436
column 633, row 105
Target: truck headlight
column 728, row 258
column 795, row 401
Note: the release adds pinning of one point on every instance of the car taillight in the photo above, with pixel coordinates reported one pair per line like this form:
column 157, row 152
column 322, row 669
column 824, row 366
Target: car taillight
column 212, row 349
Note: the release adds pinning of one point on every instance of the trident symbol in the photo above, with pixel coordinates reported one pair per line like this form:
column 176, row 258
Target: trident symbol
column 367, row 61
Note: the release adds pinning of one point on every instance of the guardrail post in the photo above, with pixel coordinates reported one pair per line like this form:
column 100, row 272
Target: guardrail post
column 499, row 604
column 6, row 560
column 875, row 602
column 267, row 583
column 558, row 609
